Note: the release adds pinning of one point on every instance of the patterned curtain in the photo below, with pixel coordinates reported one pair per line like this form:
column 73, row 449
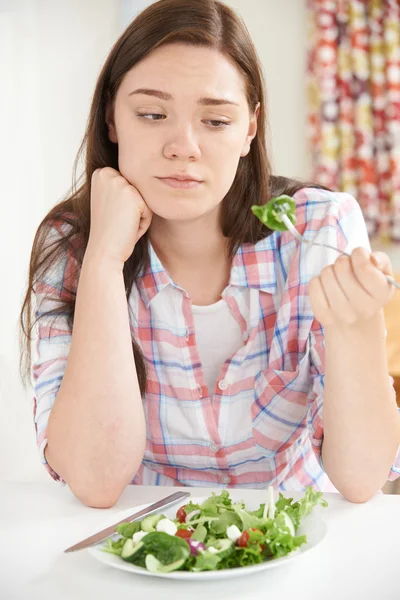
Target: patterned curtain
column 353, row 85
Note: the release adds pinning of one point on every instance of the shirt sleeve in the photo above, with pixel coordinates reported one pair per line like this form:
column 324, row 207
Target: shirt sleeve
column 53, row 339
column 340, row 222
column 316, row 396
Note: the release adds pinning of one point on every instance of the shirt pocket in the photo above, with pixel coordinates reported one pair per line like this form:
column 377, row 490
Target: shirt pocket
column 280, row 408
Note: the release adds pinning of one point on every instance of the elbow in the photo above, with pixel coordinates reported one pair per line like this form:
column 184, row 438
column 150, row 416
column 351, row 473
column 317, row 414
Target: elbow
column 98, row 494
column 356, row 492
column 103, row 492
column 357, row 497
column 95, row 493
column 96, row 498
column 355, row 486
column 96, row 485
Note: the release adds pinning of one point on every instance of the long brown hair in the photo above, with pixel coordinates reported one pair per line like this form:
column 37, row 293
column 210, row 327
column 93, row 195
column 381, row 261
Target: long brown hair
column 205, row 23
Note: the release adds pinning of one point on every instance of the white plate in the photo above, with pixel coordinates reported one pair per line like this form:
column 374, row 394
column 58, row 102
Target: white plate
column 312, row 526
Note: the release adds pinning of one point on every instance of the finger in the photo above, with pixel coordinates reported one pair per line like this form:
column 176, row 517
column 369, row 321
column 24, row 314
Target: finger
column 145, row 220
column 110, row 172
column 337, row 292
column 319, row 302
column 382, row 262
column 360, row 302
column 145, row 211
column 370, row 277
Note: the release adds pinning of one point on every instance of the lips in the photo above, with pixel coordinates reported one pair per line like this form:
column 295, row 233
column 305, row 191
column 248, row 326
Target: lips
column 182, row 178
column 184, row 184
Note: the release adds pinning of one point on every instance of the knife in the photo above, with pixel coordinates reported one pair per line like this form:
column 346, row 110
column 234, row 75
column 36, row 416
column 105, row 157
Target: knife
column 104, row 533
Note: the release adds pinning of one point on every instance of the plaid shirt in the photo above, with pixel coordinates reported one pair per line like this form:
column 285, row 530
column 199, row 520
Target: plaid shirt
column 262, row 424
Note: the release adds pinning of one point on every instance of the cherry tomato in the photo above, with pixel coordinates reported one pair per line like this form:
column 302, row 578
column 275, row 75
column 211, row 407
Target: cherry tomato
column 243, row 540
column 184, row 533
column 181, row 514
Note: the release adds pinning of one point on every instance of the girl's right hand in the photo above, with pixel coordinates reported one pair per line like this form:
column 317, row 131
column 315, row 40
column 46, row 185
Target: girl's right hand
column 119, row 215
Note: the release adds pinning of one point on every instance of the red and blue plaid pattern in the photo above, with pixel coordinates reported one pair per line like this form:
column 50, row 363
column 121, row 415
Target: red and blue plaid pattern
column 262, row 424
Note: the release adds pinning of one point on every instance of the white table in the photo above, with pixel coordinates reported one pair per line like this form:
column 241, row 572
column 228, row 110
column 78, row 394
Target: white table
column 359, row 558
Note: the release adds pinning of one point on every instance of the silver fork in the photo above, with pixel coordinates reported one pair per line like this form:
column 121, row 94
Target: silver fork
column 289, row 225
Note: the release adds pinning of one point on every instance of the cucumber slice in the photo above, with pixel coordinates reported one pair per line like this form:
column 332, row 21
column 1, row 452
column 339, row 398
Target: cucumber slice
column 155, row 566
column 131, row 551
column 149, row 523
column 223, row 546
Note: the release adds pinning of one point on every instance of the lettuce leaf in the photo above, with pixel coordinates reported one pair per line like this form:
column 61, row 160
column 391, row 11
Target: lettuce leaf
column 249, row 520
column 205, row 561
column 300, row 509
column 225, row 520
column 114, row 547
column 128, row 529
column 213, row 505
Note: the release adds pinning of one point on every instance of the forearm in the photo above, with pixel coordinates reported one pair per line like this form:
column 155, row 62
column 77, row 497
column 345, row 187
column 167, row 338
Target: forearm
column 361, row 421
column 96, row 429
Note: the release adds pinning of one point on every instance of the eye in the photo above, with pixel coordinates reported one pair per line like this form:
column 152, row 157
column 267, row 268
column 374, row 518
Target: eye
column 220, row 124
column 158, row 117
column 150, row 115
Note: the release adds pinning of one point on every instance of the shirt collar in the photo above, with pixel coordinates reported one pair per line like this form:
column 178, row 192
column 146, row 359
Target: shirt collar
column 253, row 266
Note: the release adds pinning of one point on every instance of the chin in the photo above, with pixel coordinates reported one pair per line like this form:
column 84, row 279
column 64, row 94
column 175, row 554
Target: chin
column 180, row 216
column 181, row 213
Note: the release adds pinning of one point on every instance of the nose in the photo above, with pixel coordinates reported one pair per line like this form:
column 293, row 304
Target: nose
column 182, row 144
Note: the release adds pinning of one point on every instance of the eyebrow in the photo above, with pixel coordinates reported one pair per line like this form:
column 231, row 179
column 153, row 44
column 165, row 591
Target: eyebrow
column 166, row 96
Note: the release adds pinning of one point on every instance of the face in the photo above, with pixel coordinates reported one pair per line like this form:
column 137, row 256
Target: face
column 171, row 131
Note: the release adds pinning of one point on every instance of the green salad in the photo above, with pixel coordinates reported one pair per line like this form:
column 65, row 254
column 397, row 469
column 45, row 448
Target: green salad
column 270, row 214
column 216, row 534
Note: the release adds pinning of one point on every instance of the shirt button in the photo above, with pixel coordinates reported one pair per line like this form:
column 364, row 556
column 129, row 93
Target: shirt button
column 225, row 479
column 223, row 384
column 187, row 334
column 199, row 390
column 214, row 447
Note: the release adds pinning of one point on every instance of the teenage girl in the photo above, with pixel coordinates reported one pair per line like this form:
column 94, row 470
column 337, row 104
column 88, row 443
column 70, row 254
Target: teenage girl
column 180, row 341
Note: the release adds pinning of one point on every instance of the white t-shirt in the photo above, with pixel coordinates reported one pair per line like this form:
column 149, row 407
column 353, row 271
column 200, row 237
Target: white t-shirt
column 218, row 337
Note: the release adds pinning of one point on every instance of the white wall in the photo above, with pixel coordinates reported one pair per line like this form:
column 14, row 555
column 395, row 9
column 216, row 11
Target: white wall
column 279, row 32
column 54, row 50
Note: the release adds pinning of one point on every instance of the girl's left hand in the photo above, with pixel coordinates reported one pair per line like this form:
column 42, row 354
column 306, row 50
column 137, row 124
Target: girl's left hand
column 353, row 289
